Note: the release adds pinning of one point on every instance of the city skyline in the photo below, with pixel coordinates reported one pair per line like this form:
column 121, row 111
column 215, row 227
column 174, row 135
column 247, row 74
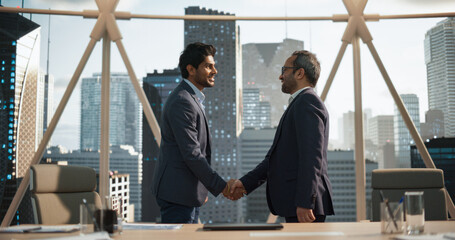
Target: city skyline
column 403, row 55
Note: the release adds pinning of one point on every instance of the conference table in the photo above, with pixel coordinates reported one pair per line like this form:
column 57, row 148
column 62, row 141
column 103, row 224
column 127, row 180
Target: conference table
column 290, row 231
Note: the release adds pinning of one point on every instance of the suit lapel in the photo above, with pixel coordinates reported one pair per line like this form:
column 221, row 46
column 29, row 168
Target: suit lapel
column 193, row 95
column 280, row 125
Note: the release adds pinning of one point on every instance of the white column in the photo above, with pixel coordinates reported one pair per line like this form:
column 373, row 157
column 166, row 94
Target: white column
column 104, row 125
column 359, row 143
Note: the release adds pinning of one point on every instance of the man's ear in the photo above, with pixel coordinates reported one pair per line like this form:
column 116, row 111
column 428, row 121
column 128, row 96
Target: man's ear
column 300, row 73
column 191, row 70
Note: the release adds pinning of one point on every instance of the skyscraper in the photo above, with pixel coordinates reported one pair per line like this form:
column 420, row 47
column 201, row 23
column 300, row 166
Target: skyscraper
column 341, row 171
column 222, row 104
column 440, row 61
column 262, row 64
column 433, row 127
column 20, row 103
column 403, row 139
column 380, row 132
column 157, row 87
column 348, row 129
column 125, row 114
column 256, row 113
column 442, row 152
column 254, row 146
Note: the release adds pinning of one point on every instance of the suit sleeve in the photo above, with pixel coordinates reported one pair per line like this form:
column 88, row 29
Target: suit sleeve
column 256, row 177
column 309, row 124
column 182, row 120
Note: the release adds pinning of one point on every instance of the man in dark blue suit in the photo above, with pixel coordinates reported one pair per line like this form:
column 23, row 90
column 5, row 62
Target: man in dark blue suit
column 295, row 167
column 183, row 176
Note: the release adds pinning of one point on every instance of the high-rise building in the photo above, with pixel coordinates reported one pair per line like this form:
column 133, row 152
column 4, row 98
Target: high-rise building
column 157, row 87
column 256, row 113
column 222, row 104
column 123, row 159
column 442, row 151
column 21, row 96
column 348, row 129
column 380, row 132
column 433, row 127
column 380, row 129
column 262, row 64
column 341, row 171
column 48, row 111
column 403, row 139
column 125, row 115
column 440, row 61
column 254, row 145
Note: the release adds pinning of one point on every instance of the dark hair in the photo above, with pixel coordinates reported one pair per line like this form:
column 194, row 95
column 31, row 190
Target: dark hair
column 309, row 63
column 194, row 54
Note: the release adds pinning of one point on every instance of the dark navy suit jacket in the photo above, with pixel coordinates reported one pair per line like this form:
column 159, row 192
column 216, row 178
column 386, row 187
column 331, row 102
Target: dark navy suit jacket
column 183, row 173
column 295, row 167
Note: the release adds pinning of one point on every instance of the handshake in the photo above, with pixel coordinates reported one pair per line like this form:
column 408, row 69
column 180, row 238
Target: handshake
column 234, row 190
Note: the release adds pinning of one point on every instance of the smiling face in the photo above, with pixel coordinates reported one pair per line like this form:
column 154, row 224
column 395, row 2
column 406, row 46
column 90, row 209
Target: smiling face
column 288, row 81
column 204, row 75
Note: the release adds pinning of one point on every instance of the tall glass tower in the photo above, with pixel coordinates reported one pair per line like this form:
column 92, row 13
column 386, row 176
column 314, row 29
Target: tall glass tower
column 440, row 60
column 157, row 88
column 403, row 139
column 222, row 104
column 125, row 114
column 21, row 105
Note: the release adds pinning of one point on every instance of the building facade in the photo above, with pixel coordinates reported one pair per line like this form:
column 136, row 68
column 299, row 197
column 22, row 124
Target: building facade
column 403, row 139
column 256, row 113
column 433, row 127
column 341, row 171
column 125, row 115
column 222, row 104
column 440, row 60
column 442, row 151
column 380, row 132
column 262, row 64
column 21, row 106
column 255, row 143
column 157, row 87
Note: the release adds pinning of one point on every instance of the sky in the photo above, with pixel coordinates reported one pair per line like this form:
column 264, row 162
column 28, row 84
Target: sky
column 157, row 44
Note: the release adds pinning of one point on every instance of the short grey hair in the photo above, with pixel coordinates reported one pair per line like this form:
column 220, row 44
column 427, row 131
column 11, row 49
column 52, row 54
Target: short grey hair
column 309, row 63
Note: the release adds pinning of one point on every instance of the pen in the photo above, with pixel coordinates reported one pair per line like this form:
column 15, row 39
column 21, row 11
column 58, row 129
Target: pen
column 387, row 206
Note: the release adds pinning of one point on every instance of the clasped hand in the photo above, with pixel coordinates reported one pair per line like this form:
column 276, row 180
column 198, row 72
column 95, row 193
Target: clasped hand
column 234, row 190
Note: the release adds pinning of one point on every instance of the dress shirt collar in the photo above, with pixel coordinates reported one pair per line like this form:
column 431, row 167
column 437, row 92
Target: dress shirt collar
column 199, row 95
column 293, row 96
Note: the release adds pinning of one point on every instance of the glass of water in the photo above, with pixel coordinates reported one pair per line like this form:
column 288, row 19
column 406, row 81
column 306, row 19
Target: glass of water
column 415, row 212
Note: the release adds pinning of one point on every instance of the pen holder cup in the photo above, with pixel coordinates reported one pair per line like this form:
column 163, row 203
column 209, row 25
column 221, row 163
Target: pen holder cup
column 391, row 217
column 86, row 218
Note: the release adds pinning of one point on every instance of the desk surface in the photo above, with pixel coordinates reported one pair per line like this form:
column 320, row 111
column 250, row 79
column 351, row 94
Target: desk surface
column 354, row 230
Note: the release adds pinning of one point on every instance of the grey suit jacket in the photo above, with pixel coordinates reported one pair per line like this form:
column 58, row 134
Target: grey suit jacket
column 295, row 167
column 183, row 174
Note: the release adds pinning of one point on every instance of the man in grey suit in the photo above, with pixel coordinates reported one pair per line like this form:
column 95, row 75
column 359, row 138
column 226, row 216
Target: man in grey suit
column 183, row 176
column 295, row 167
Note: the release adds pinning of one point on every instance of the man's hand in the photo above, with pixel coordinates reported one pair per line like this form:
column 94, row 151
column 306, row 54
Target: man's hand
column 237, row 190
column 233, row 192
column 227, row 189
column 305, row 215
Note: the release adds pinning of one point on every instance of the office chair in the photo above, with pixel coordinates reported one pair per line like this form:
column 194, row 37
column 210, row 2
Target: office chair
column 395, row 182
column 57, row 191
